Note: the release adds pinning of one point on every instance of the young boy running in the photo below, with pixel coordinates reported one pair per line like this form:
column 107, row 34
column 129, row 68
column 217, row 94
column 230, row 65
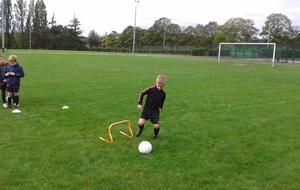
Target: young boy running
column 154, row 104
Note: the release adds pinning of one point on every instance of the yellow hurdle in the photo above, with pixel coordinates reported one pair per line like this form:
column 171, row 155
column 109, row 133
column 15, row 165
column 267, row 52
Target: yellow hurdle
column 109, row 131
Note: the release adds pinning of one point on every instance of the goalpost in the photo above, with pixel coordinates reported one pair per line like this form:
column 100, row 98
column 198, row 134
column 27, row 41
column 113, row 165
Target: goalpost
column 248, row 53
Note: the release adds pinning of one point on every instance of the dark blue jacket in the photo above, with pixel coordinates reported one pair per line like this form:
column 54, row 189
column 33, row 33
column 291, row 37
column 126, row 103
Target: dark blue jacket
column 14, row 80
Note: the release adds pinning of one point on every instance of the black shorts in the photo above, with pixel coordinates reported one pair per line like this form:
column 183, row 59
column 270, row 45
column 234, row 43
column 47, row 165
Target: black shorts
column 152, row 116
column 12, row 89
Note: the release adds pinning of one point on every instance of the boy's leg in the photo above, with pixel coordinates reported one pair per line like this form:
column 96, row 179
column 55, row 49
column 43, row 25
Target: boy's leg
column 3, row 93
column 3, row 90
column 16, row 99
column 155, row 120
column 9, row 94
column 141, row 123
column 156, row 131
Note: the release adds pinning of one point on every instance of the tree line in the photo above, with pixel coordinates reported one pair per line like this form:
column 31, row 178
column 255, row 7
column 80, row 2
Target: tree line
column 26, row 26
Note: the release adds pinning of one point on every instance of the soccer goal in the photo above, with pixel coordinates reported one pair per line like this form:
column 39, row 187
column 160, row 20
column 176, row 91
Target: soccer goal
column 248, row 51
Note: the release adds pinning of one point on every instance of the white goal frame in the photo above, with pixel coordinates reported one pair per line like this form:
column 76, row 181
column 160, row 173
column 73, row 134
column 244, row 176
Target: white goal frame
column 274, row 49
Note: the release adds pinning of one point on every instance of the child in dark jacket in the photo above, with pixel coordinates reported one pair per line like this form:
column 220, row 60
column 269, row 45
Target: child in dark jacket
column 13, row 73
column 3, row 66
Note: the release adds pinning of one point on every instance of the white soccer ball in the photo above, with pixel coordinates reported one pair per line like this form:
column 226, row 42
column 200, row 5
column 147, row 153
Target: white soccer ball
column 145, row 147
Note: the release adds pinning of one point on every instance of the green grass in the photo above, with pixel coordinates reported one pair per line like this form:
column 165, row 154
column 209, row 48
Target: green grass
column 224, row 126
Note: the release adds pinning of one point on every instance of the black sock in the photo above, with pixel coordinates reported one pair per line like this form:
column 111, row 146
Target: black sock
column 3, row 97
column 9, row 101
column 141, row 127
column 156, row 131
column 16, row 99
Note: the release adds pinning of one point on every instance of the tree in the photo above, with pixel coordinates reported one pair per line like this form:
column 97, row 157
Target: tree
column 205, row 35
column 210, row 30
column 110, row 40
column 237, row 30
column 73, row 35
column 295, row 36
column 57, row 37
column 172, row 34
column 113, row 39
column 28, row 27
column 8, row 23
column 152, row 38
column 199, row 35
column 126, row 37
column 198, row 29
column 156, row 34
column 40, row 25
column 53, row 21
column 187, row 36
column 277, row 28
column 75, row 26
column 24, row 27
column 20, row 17
column 93, row 39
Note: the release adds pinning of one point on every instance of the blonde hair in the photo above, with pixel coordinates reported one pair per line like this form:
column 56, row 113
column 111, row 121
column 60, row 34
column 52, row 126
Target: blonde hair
column 161, row 79
column 12, row 59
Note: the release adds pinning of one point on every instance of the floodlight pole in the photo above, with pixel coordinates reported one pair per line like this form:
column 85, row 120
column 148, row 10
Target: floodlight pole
column 30, row 35
column 133, row 43
column 2, row 28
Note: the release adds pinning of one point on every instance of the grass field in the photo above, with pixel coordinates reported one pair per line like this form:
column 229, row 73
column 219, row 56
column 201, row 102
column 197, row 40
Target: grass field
column 225, row 126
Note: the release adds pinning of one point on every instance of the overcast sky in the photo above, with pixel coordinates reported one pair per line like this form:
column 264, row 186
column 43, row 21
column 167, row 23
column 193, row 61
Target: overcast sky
column 105, row 16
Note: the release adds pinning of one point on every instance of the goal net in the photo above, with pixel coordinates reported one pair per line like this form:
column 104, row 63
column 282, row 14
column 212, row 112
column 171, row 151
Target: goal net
column 249, row 52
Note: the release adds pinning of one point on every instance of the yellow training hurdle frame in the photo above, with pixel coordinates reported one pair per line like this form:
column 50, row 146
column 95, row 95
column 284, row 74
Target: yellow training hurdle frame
column 116, row 123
